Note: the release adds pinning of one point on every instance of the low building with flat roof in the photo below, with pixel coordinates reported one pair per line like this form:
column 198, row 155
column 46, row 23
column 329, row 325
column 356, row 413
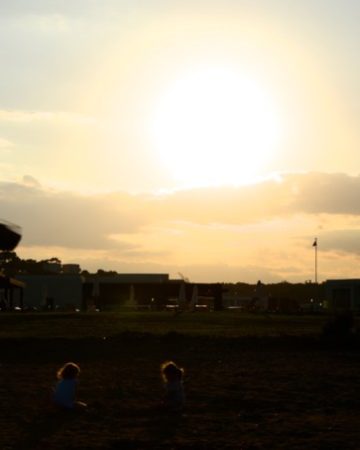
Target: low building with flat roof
column 343, row 294
column 53, row 291
column 11, row 293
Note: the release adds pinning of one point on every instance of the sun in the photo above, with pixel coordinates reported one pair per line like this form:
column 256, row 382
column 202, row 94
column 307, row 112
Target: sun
column 213, row 127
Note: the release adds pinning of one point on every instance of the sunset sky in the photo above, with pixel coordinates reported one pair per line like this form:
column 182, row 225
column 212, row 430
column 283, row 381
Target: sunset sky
column 214, row 138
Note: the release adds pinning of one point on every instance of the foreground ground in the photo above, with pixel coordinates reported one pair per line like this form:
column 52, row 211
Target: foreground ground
column 252, row 382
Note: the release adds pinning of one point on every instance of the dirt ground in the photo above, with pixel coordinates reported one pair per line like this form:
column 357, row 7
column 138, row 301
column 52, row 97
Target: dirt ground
column 250, row 393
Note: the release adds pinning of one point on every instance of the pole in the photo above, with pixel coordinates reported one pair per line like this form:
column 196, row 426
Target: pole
column 316, row 260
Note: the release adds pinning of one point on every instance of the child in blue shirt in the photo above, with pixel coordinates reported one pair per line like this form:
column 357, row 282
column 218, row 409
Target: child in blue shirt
column 65, row 390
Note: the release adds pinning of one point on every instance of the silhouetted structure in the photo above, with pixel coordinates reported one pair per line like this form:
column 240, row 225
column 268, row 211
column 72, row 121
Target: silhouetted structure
column 10, row 236
column 51, row 292
column 343, row 295
column 8, row 299
column 149, row 291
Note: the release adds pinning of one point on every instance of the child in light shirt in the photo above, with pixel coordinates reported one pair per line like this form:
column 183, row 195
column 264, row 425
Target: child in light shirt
column 172, row 376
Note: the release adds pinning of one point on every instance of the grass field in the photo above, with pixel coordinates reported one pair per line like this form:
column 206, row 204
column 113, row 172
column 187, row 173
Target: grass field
column 252, row 382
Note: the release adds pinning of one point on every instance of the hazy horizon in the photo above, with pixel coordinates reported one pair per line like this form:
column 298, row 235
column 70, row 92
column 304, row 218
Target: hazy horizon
column 216, row 139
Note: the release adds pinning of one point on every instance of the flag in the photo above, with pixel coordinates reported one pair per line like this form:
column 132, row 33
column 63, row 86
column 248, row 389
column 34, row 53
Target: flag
column 315, row 243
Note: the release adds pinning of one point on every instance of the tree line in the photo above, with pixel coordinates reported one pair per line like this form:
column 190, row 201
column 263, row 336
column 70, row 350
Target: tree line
column 11, row 265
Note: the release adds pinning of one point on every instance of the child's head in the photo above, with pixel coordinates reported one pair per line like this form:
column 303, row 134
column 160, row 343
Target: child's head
column 171, row 372
column 68, row 371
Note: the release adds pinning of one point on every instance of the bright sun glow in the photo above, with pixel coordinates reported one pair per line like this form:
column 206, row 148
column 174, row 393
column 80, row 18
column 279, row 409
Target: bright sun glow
column 215, row 127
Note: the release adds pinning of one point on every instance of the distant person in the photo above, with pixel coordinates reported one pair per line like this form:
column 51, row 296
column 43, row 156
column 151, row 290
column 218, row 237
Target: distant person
column 65, row 390
column 172, row 376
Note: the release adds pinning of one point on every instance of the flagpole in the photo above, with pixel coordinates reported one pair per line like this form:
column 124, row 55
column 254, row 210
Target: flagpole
column 316, row 261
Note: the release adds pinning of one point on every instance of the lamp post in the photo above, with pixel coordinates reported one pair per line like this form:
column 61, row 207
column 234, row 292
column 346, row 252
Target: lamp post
column 315, row 245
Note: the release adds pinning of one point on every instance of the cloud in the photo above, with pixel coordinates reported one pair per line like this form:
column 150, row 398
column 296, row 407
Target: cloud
column 45, row 23
column 55, row 11
column 22, row 116
column 114, row 220
column 264, row 231
column 18, row 7
column 345, row 241
column 312, row 193
column 30, row 181
column 5, row 144
column 325, row 193
column 51, row 218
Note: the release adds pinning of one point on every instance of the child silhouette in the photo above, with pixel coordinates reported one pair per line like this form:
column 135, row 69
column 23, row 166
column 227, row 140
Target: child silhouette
column 65, row 390
column 172, row 376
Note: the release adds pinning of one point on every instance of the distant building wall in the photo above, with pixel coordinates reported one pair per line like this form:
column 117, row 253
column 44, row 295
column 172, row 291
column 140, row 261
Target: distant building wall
column 52, row 267
column 71, row 269
column 106, row 291
column 236, row 301
column 129, row 278
column 58, row 291
column 343, row 294
column 153, row 290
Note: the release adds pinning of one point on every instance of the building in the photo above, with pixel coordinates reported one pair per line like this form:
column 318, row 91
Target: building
column 342, row 295
column 109, row 291
column 11, row 293
column 150, row 291
column 53, row 291
column 237, row 301
column 70, row 291
column 71, row 269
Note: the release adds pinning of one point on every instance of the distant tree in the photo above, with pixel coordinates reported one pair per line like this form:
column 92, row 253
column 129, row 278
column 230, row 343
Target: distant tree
column 10, row 263
column 8, row 257
column 53, row 260
column 106, row 273
column 32, row 267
